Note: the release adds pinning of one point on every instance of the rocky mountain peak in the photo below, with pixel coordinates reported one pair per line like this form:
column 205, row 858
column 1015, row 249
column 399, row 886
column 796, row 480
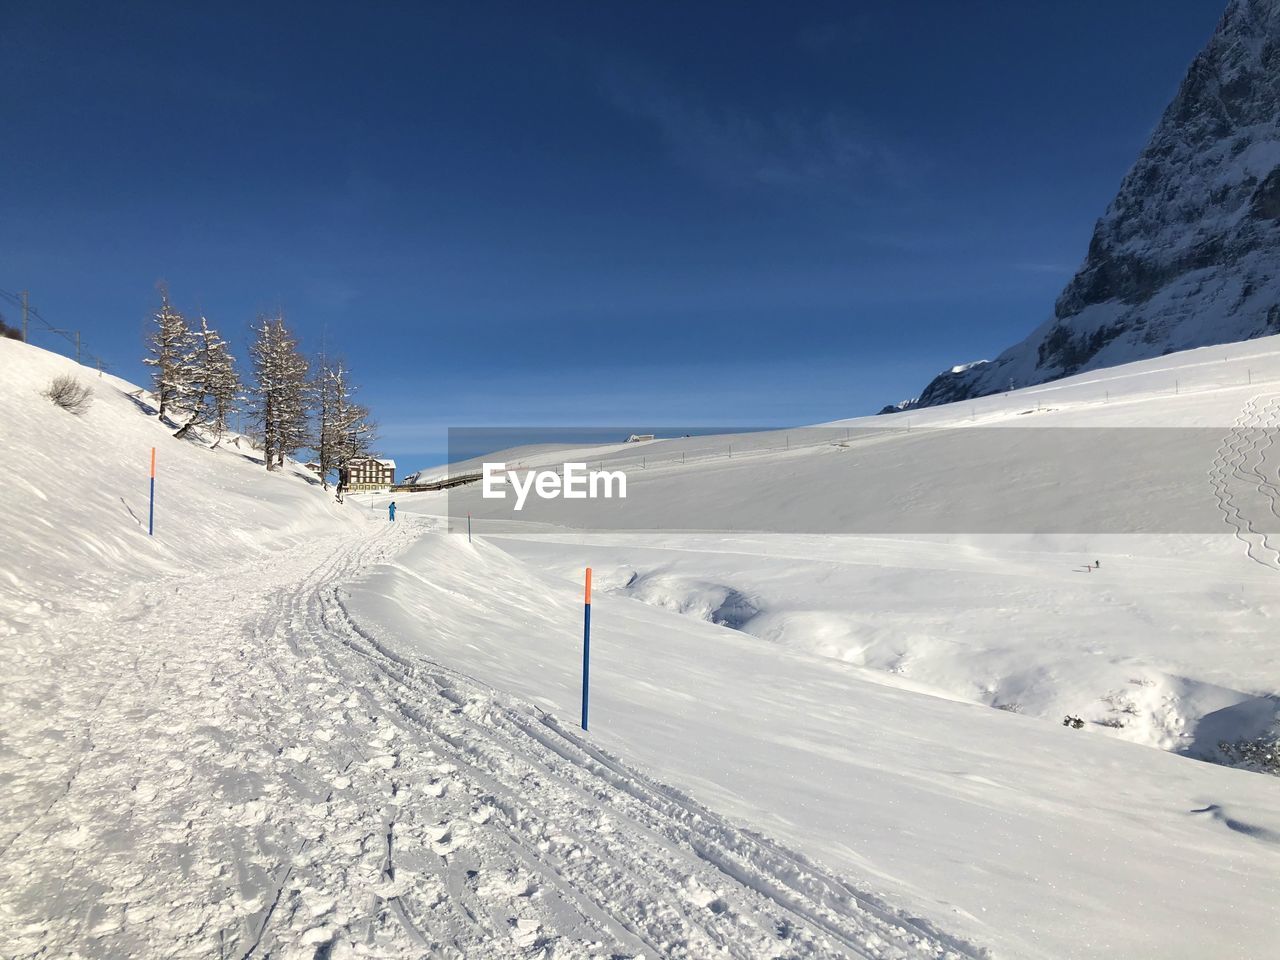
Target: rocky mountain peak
column 1188, row 252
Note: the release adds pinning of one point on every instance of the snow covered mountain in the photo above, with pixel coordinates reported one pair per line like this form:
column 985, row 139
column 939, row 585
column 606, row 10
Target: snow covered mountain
column 1188, row 253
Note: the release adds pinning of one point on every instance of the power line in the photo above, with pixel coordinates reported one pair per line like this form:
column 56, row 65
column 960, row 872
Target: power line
column 29, row 313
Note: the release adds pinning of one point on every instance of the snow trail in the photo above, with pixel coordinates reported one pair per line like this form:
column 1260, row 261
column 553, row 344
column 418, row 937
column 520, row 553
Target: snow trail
column 1240, row 459
column 228, row 765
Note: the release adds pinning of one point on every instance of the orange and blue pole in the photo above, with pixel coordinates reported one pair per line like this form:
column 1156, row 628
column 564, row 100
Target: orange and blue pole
column 151, row 513
column 586, row 648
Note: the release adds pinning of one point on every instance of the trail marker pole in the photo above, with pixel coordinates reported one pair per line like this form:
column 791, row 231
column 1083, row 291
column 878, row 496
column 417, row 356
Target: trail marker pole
column 586, row 648
column 151, row 513
column 468, row 528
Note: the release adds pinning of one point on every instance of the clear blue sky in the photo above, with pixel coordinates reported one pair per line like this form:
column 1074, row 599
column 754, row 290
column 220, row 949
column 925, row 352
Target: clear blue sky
column 524, row 213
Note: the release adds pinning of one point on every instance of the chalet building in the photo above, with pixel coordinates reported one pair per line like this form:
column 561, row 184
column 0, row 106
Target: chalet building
column 367, row 473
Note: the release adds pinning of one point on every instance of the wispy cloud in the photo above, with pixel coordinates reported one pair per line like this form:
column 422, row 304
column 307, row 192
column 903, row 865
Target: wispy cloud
column 731, row 146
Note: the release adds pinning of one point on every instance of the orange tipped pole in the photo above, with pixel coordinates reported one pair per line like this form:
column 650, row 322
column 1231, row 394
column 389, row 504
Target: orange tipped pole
column 586, row 648
column 151, row 512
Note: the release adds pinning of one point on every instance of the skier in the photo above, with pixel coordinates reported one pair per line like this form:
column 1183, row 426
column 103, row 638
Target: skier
column 392, row 511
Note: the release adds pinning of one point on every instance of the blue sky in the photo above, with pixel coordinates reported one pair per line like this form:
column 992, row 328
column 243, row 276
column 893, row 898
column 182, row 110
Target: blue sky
column 738, row 213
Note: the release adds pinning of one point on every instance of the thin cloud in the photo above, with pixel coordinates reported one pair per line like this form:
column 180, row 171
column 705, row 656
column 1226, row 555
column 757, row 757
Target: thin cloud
column 737, row 148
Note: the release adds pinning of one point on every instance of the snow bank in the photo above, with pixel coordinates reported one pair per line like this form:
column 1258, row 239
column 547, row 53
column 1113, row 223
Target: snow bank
column 75, row 492
column 1035, row 839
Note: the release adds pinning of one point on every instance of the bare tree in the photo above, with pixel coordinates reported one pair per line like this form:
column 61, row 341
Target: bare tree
column 67, row 392
column 353, row 430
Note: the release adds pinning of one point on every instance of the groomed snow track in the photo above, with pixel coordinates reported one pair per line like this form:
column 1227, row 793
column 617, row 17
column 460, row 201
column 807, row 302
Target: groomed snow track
column 254, row 775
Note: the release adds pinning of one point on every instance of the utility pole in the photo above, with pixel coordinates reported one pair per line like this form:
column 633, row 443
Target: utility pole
column 25, row 338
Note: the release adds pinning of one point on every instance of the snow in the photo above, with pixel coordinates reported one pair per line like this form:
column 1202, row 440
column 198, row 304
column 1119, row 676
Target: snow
column 287, row 727
column 1166, row 647
column 75, row 494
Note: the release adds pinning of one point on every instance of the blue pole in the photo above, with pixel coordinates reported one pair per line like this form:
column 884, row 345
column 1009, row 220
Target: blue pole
column 468, row 528
column 586, row 650
column 151, row 513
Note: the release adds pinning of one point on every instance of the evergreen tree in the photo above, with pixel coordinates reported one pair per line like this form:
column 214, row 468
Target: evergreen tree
column 280, row 390
column 222, row 381
column 169, row 346
column 212, row 384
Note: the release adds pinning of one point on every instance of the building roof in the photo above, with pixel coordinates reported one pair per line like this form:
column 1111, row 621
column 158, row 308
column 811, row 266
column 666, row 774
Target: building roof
column 385, row 463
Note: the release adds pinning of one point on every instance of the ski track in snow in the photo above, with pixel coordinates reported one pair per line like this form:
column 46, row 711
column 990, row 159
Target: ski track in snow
column 1239, row 461
column 229, row 766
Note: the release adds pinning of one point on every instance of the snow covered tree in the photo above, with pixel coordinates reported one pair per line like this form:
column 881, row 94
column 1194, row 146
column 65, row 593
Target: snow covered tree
column 213, row 387
column 169, row 345
column 353, row 429
column 323, row 440
column 294, row 407
column 280, row 390
column 222, row 382
column 343, row 429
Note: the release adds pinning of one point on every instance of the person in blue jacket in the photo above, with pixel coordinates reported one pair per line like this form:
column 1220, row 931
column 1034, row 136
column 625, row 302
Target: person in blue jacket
column 392, row 510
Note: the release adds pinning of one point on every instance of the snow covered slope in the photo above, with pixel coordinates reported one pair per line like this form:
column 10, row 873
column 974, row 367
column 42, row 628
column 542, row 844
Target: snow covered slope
column 835, row 690
column 75, row 492
column 301, row 733
column 1022, row 836
column 203, row 754
column 1186, row 253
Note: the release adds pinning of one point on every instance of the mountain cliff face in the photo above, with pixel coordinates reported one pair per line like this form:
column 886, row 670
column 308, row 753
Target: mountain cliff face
column 1188, row 253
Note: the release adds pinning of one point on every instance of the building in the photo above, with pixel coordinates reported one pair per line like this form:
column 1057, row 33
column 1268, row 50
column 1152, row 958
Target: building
column 367, row 473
